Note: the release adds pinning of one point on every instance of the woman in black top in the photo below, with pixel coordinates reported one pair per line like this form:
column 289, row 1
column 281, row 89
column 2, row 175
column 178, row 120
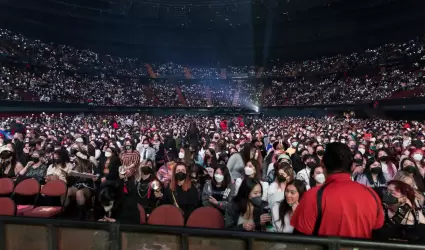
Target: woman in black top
column 10, row 167
column 145, row 189
column 109, row 165
column 181, row 193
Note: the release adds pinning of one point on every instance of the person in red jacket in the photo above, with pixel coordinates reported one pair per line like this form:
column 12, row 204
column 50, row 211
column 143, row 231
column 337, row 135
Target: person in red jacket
column 340, row 207
column 223, row 125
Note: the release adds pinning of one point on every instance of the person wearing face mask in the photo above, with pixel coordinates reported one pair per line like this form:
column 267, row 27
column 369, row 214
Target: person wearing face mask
column 146, row 188
column 146, row 152
column 399, row 211
column 10, row 167
column 418, row 156
column 276, row 189
column 317, row 176
column 252, row 171
column 130, row 159
column 180, row 192
column 109, row 166
column 294, row 146
column 388, row 167
column 282, row 211
column 246, row 211
column 304, row 174
column 409, row 180
column 60, row 168
column 374, row 177
column 358, row 166
column 280, row 156
column 34, row 168
column 219, row 190
column 319, row 152
column 409, row 166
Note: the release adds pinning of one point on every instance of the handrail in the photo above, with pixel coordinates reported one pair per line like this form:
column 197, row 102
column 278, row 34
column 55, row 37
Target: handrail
column 115, row 231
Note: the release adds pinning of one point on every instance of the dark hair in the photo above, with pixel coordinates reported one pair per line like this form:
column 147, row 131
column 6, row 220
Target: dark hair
column 284, row 206
column 367, row 172
column 312, row 180
column 417, row 177
column 337, row 158
column 227, row 178
column 213, row 158
column 404, row 189
column 242, row 197
column 63, row 157
column 246, row 153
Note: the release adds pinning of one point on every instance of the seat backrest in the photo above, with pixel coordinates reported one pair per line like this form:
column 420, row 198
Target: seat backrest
column 27, row 187
column 7, row 206
column 54, row 188
column 142, row 214
column 206, row 217
column 6, row 186
column 166, row 215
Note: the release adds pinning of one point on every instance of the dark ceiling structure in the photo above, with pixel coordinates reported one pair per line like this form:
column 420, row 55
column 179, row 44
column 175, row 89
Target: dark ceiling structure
column 211, row 31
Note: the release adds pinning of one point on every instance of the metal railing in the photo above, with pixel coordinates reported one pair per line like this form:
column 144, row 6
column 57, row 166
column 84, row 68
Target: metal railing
column 48, row 234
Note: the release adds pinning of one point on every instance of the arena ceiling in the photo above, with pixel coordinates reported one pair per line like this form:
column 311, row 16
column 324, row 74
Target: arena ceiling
column 217, row 29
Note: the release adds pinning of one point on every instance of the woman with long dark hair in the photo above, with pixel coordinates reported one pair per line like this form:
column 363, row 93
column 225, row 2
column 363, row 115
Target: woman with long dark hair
column 61, row 166
column 181, row 193
column 373, row 177
column 220, row 190
column 409, row 165
column 246, row 210
column 283, row 211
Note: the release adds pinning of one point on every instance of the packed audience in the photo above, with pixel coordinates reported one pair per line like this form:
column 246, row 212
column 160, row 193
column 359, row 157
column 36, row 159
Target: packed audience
column 48, row 72
column 254, row 171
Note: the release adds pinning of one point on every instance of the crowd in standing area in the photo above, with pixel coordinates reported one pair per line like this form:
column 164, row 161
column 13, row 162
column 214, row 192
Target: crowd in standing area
column 261, row 174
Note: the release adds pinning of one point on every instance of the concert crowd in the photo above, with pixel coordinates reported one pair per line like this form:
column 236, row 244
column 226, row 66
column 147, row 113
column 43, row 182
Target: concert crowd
column 257, row 172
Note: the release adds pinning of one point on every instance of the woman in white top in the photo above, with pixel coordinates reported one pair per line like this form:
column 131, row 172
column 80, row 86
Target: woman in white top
column 282, row 211
column 252, row 170
column 276, row 190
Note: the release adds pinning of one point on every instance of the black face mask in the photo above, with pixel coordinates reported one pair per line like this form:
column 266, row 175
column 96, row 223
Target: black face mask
column 389, row 199
column 180, row 176
column 35, row 159
column 127, row 147
column 56, row 161
column 312, row 164
column 384, row 158
column 146, row 170
column 376, row 170
column 410, row 169
column 281, row 178
column 320, row 152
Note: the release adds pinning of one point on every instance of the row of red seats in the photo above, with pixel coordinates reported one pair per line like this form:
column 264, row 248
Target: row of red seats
column 166, row 215
column 31, row 188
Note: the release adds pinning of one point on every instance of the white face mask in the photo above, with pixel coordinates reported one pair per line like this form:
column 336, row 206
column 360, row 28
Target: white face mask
column 219, row 177
column 248, row 171
column 320, row 178
column 181, row 155
column 145, row 145
column 362, row 150
column 417, row 157
column 108, row 154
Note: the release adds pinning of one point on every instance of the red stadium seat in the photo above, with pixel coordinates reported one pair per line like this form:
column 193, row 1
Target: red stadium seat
column 6, row 186
column 7, row 206
column 55, row 188
column 166, row 215
column 28, row 187
column 206, row 217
